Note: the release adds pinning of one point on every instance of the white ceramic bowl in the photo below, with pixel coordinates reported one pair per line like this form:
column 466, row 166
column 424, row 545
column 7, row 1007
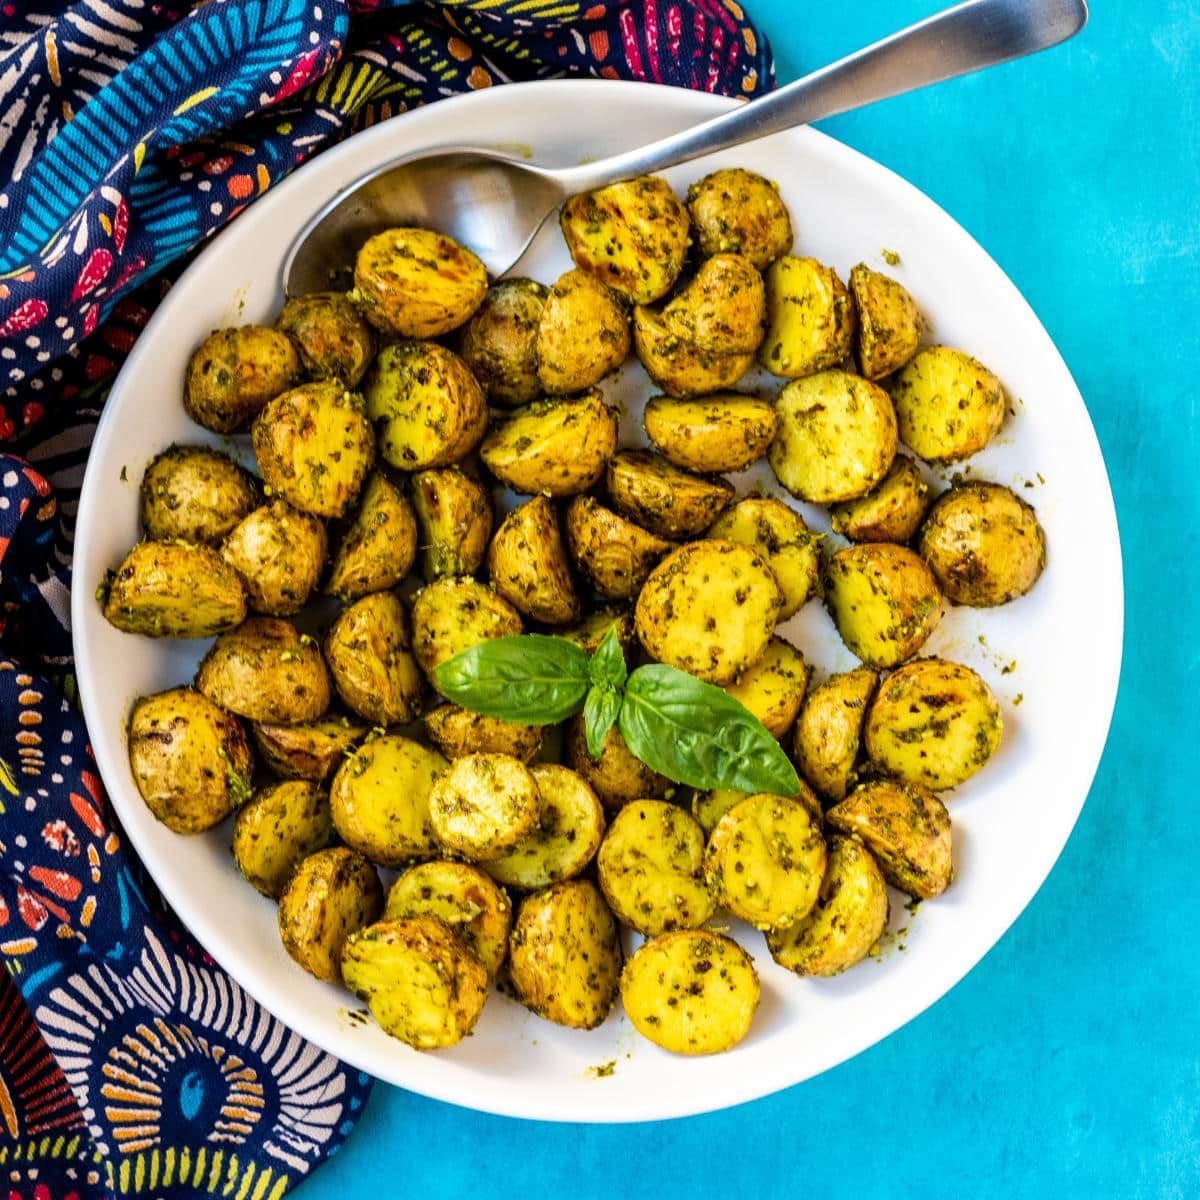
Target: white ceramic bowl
column 1056, row 652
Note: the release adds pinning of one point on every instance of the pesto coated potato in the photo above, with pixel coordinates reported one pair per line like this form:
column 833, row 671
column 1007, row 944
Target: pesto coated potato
column 678, row 366
column 369, row 656
column 279, row 553
column 195, row 494
column 709, row 807
column 593, row 629
column 829, row 731
column 891, row 511
column 499, row 343
column 282, row 825
column 483, row 805
column 614, row 555
column 454, row 512
column 616, row 776
column 721, row 309
column 378, row 549
column 333, row 339
column 810, row 318
column 234, row 373
column 735, row 211
column 310, row 750
column 457, row 731
column 657, row 495
column 527, row 565
column 582, row 336
column 724, row 432
column 889, row 324
column 773, row 687
column 452, row 615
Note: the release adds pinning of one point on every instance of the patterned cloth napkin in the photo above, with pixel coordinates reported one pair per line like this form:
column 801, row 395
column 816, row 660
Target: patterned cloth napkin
column 130, row 131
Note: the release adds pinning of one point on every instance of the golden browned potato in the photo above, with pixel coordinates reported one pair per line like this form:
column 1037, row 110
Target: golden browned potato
column 583, row 334
column 282, row 825
column 765, row 861
column 554, row 447
column 457, row 731
column 884, row 601
column 455, row 515
column 934, row 723
column 499, row 343
column 721, row 309
column 314, row 447
column 195, row 494
column 836, row 439
column 329, row 896
column 725, row 432
column 773, row 687
column 632, row 235
column 657, row 495
column 709, row 807
column 483, row 805
column 567, row 835
column 565, row 960
column 266, row 670
column 691, row 991
column 889, row 325
column 891, row 511
column 848, row 920
column 311, row 750
column 427, row 408
column 613, row 554
column 527, row 564
column 651, row 868
column 190, row 760
column 379, row 799
column 984, row 544
column 709, row 608
column 173, row 589
column 617, row 777
column 416, row 283
column 452, row 615
column 810, row 318
column 334, row 340
column 378, row 549
column 948, row 405
column 735, row 211
column 420, row 982
column 465, row 898
column 278, row 552
column 593, row 629
column 370, row 659
column 234, row 373
column 678, row 366
column 906, row 827
column 829, row 731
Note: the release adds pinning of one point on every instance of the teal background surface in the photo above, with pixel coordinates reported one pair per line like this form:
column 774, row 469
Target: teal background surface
column 1067, row 1064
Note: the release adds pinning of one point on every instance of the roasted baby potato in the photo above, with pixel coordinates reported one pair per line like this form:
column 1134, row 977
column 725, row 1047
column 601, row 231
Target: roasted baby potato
column 173, row 589
column 329, row 896
column 632, row 236
column 282, row 825
column 483, row 805
column 312, row 750
column 266, row 670
column 369, row 657
column 709, row 608
column 617, row 777
column 905, row 827
column 850, row 915
column 735, row 211
column 678, row 366
column 889, row 324
column 190, row 760
column 691, row 992
column 278, row 552
column 984, row 544
column 195, row 494
column 378, row 549
column 810, row 318
column 948, row 405
column 554, row 447
column 891, row 511
column 933, row 723
column 613, row 554
column 452, row 615
column 427, row 408
column 773, row 687
column 314, row 447
column 765, row 861
column 379, row 799
column 829, row 731
column 721, row 309
column 565, row 959
column 651, row 868
column 527, row 564
column 415, row 283
column 582, row 336
column 455, row 515
column 235, row 372
column 709, row 807
column 420, row 982
column 567, row 835
column 593, row 629
column 884, row 601
column 725, row 432
column 499, row 343
column 334, row 340
column 457, row 731
column 836, row 439
column 660, row 497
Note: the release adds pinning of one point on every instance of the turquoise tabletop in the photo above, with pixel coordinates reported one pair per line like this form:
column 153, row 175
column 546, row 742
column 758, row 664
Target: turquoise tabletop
column 1067, row 1064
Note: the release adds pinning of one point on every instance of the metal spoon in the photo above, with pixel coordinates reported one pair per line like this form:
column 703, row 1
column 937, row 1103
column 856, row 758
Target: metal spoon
column 495, row 203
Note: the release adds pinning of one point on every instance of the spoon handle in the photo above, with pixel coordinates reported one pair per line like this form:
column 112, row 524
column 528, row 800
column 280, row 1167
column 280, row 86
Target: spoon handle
column 962, row 39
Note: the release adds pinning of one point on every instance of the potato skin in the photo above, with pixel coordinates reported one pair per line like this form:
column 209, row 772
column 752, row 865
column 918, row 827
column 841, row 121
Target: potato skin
column 614, row 555
column 617, row 777
column 657, row 495
column 328, row 897
column 593, row 629
column 378, row 549
column 582, row 336
column 735, row 211
column 278, row 552
column 933, row 723
column 452, row 615
column 829, row 731
column 333, row 339
column 721, row 309
column 891, row 511
column 724, row 432
column 810, row 318
column 282, row 825
column 678, row 366
column 195, row 494
column 312, row 750
column 565, row 960
column 190, row 760
column 234, row 373
column 499, row 343
column 368, row 652
column 709, row 608
column 454, row 512
column 483, row 805
column 889, row 323
column 457, row 731
column 416, row 283
column 527, row 565
column 773, row 687
column 983, row 544
column 884, row 601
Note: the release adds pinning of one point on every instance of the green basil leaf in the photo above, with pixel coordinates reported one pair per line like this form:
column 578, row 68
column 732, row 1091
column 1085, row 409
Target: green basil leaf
column 529, row 680
column 696, row 734
column 608, row 663
column 600, row 710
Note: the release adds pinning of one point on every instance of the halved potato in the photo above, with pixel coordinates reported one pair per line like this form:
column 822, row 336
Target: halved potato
column 829, row 731
column 810, row 318
column 773, row 687
column 452, row 615
column 499, row 343
column 483, row 805
column 660, row 497
column 234, row 373
column 613, row 554
column 709, row 807
column 282, row 825
column 724, row 432
column 455, row 515
column 378, row 549
column 735, row 211
column 279, row 553
column 593, row 629
column 678, row 366
column 583, row 334
column 891, row 511
column 889, row 324
column 334, row 340
column 721, row 309
column 527, row 565
column 456, row 732
column 369, row 656
column 195, row 494
column 616, row 776
column 311, row 750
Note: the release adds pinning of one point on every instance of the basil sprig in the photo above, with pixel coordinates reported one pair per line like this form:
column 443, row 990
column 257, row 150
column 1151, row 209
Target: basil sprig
column 689, row 731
